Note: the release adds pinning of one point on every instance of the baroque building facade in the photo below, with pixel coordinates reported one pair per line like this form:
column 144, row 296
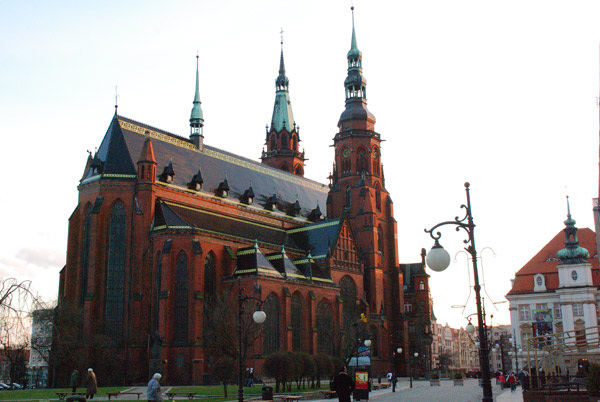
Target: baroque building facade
column 165, row 223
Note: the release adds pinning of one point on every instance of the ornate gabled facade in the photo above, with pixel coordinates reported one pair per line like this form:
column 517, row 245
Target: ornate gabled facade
column 166, row 222
column 557, row 291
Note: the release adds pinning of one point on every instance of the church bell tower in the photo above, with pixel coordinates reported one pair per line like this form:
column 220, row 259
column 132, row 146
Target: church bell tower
column 357, row 191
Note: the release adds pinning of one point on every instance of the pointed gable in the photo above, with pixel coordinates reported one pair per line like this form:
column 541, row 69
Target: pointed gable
column 118, row 160
column 166, row 218
column 251, row 261
column 284, row 265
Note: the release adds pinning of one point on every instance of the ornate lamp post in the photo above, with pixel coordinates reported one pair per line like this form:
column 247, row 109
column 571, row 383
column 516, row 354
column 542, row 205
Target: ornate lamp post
column 438, row 260
column 259, row 317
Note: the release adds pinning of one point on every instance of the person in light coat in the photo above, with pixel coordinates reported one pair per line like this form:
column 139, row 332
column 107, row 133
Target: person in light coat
column 154, row 393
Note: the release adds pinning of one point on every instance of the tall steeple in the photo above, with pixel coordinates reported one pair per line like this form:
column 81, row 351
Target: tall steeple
column 196, row 117
column 357, row 190
column 283, row 136
column 356, row 114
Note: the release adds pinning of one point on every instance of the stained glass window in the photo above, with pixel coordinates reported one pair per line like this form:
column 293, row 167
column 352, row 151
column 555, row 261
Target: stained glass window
column 348, row 295
column 324, row 328
column 181, row 300
column 210, row 276
column 296, row 322
column 271, row 332
column 85, row 255
column 115, row 273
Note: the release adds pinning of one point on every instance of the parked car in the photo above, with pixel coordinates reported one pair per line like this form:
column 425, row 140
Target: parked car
column 4, row 387
column 16, row 386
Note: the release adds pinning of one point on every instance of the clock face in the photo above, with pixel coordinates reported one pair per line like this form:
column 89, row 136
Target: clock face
column 346, row 153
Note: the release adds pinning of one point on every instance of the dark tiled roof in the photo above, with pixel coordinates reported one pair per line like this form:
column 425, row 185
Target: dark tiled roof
column 125, row 137
column 316, row 238
column 546, row 261
column 283, row 264
column 181, row 215
column 251, row 261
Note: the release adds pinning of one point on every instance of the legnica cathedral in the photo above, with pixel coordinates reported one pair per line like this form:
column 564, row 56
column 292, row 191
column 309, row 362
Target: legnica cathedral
column 165, row 221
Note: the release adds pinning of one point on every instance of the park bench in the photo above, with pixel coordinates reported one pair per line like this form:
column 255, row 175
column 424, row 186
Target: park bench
column 172, row 395
column 116, row 394
column 328, row 394
column 63, row 395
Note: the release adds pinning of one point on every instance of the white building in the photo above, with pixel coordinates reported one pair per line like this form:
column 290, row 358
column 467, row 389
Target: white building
column 41, row 341
column 557, row 292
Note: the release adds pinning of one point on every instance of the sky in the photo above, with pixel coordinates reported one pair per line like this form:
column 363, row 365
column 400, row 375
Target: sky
column 500, row 94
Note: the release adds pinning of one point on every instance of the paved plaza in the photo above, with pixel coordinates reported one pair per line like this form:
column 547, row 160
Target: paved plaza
column 446, row 392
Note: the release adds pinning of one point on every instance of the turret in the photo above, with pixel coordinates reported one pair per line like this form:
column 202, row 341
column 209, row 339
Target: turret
column 196, row 117
column 283, row 136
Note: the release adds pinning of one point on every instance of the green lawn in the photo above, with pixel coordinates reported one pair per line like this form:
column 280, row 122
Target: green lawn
column 214, row 392
column 45, row 394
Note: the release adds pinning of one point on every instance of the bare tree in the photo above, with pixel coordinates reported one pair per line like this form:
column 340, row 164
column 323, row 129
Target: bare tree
column 16, row 302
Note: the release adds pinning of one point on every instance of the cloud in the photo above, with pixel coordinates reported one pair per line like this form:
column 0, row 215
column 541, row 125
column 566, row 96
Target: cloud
column 44, row 258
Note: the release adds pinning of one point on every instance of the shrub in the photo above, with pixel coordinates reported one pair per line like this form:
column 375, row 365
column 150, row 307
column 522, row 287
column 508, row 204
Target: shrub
column 593, row 380
column 458, row 375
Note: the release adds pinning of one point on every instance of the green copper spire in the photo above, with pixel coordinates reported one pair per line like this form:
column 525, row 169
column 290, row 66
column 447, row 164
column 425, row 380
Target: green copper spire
column 196, row 117
column 354, row 52
column 282, row 110
column 356, row 86
column 572, row 253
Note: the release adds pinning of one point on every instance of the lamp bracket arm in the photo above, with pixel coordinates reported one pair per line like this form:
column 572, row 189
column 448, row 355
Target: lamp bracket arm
column 459, row 225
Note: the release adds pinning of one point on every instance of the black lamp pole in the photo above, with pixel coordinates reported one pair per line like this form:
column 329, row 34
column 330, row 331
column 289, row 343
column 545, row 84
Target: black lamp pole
column 466, row 223
column 241, row 300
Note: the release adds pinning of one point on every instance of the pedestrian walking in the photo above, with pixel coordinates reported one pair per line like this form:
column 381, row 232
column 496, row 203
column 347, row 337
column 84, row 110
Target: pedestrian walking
column 389, row 377
column 91, row 384
column 394, row 382
column 154, row 393
column 74, row 380
column 343, row 385
column 501, row 380
column 512, row 381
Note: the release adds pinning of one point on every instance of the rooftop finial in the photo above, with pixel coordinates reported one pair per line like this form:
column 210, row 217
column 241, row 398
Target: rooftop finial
column 116, row 100
column 281, row 33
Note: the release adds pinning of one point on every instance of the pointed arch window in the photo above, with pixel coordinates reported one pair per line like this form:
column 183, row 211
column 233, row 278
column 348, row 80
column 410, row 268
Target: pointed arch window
column 210, row 276
column 421, row 285
column 348, row 203
column 380, row 240
column 378, row 196
column 284, row 141
column 325, row 326
column 115, row 273
column 181, row 300
column 348, row 295
column 85, row 255
column 375, row 158
column 273, row 143
column 361, row 162
column 272, row 330
column 294, row 143
column 296, row 322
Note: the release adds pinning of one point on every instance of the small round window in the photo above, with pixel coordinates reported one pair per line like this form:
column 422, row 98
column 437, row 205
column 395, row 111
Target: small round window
column 574, row 275
column 539, row 280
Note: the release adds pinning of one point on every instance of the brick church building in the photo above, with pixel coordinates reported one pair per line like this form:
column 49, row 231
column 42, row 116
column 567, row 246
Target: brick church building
column 164, row 222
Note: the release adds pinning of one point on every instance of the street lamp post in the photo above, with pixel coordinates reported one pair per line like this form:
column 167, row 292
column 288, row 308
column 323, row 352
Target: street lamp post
column 411, row 365
column 259, row 317
column 438, row 259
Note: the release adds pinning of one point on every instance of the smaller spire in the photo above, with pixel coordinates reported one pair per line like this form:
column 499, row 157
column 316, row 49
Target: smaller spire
column 197, row 117
column 116, row 100
column 572, row 253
